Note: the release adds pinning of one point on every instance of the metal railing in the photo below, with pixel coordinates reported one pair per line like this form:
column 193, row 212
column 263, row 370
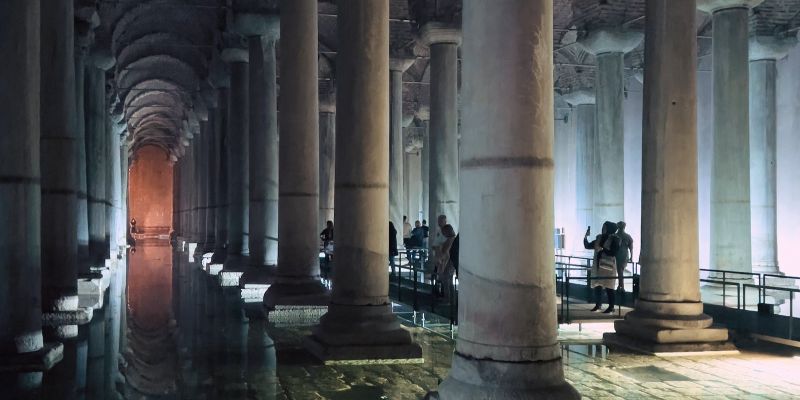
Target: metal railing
column 763, row 288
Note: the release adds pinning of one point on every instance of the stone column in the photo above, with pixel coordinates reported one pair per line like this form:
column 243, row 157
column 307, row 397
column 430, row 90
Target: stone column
column 221, row 173
column 83, row 38
column 201, row 177
column 359, row 323
column 21, row 342
column 425, row 162
column 397, row 66
column 97, row 156
column 730, row 175
column 327, row 157
column 59, row 158
column 764, row 53
column 262, row 32
column 237, row 158
column 443, row 154
column 609, row 45
column 669, row 313
column 117, row 226
column 297, row 281
column 211, row 167
column 582, row 101
column 507, row 148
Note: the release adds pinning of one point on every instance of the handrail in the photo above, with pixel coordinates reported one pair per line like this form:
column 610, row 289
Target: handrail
column 791, row 291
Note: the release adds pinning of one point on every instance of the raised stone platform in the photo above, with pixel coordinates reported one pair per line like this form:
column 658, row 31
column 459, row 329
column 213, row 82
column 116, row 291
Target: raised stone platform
column 282, row 316
column 618, row 341
column 41, row 360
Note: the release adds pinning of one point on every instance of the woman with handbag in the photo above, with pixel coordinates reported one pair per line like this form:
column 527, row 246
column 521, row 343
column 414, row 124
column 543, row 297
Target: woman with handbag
column 604, row 266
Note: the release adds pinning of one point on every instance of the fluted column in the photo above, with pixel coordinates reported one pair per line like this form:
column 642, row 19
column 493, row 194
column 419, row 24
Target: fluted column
column 262, row 32
column 298, row 281
column 97, row 138
column 609, row 45
column 397, row 66
column 59, row 158
column 327, row 157
column 359, row 323
column 764, row 54
column 443, row 160
column 237, row 158
column 583, row 103
column 730, row 168
column 21, row 341
column 668, row 316
column 507, row 148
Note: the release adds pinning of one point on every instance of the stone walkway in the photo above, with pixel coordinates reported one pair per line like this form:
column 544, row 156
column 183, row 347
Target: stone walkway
column 596, row 373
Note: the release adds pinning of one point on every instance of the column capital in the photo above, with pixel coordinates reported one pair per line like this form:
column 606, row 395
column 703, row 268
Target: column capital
column 712, row 6
column 770, row 47
column 610, row 40
column 437, row 32
column 252, row 24
column 102, row 59
column 235, row 55
column 400, row 64
column 579, row 97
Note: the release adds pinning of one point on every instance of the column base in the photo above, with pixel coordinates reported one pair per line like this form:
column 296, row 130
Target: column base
column 255, row 282
column 669, row 335
column 41, row 360
column 362, row 335
column 306, row 291
column 488, row 379
column 64, row 324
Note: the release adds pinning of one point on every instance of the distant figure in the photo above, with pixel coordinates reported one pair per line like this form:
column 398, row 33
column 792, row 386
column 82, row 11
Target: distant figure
column 327, row 235
column 417, row 239
column 444, row 264
column 454, row 253
column 392, row 244
column 605, row 246
column 131, row 231
column 406, row 228
column 426, row 229
column 623, row 256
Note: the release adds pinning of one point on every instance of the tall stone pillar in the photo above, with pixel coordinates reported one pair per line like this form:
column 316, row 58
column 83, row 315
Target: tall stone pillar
column 298, row 281
column 117, row 223
column 507, row 148
column 97, row 138
column 583, row 102
column 609, row 45
column 262, row 32
column 397, row 66
column 764, row 53
column 221, row 172
column 237, row 158
column 83, row 38
column 211, row 167
column 327, row 157
column 443, row 133
column 21, row 343
column 59, row 158
column 668, row 316
column 425, row 161
column 200, row 175
column 730, row 170
column 359, row 323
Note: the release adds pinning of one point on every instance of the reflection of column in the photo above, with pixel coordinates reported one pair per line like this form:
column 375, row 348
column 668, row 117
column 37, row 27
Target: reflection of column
column 609, row 46
column 669, row 314
column 359, row 323
column 507, row 148
column 764, row 52
column 443, row 140
column 730, row 180
column 95, row 365
column 262, row 32
column 59, row 159
column 327, row 157
column 298, row 281
column 396, row 68
column 237, row 157
column 97, row 156
column 583, row 103
column 20, row 191
column 261, row 360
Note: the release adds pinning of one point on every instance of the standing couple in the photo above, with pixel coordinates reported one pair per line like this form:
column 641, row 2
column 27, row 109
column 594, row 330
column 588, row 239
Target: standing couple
column 610, row 248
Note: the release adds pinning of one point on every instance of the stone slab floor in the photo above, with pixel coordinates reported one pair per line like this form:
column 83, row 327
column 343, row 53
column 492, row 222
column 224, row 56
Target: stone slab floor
column 594, row 370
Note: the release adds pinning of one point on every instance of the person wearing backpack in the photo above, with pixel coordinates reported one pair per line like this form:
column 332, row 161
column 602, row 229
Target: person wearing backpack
column 604, row 265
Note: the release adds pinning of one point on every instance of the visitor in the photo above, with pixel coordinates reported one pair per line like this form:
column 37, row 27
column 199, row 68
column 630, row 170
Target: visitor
column 623, row 256
column 444, row 262
column 439, row 238
column 392, row 244
column 406, row 228
column 454, row 253
column 425, row 229
column 605, row 246
column 417, row 239
column 327, row 235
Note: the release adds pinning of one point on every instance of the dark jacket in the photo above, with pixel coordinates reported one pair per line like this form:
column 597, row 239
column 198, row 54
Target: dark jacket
column 392, row 240
column 454, row 253
column 607, row 238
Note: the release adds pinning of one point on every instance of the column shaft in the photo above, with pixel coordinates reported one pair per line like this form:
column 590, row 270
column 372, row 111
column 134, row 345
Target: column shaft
column 96, row 164
column 396, row 152
column 327, row 168
column 82, row 227
column 763, row 191
column 507, row 148
column 221, row 176
column 210, row 169
column 425, row 168
column 443, row 159
column 238, row 166
column 730, row 179
column 585, row 168
column 263, row 152
column 20, row 190
column 59, row 158
column 609, row 160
